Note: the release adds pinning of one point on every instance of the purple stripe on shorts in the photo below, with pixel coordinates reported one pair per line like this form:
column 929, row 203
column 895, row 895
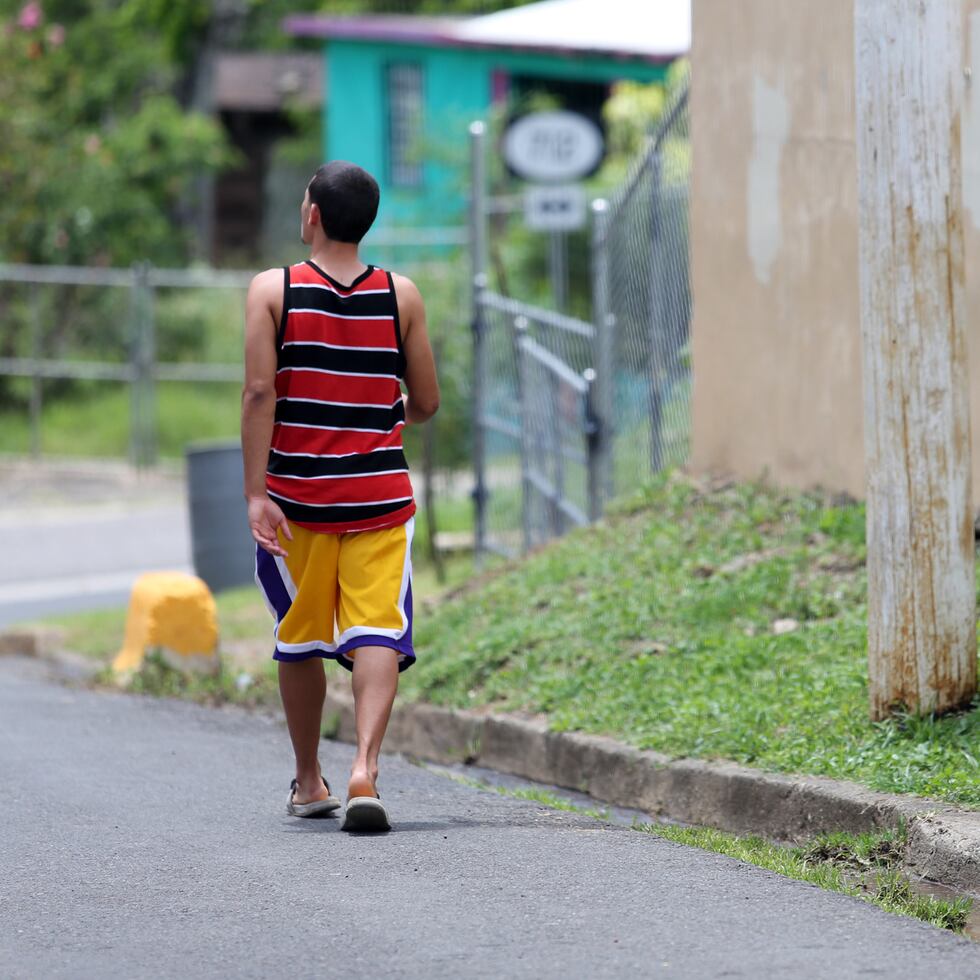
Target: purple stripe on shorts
column 403, row 644
column 271, row 583
column 340, row 655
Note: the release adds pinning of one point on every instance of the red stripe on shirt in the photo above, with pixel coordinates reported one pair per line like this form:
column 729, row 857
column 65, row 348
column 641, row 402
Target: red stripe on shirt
column 337, row 387
column 328, row 442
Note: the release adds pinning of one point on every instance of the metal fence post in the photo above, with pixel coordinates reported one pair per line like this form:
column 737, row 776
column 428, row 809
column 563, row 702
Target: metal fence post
column 558, row 268
column 36, row 382
column 135, row 357
column 150, row 403
column 605, row 325
column 557, row 514
column 592, row 471
column 524, row 396
column 478, row 258
column 657, row 322
column 142, row 355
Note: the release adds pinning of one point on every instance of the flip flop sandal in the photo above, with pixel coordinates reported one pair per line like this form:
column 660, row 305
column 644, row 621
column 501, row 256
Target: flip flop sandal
column 365, row 813
column 318, row 808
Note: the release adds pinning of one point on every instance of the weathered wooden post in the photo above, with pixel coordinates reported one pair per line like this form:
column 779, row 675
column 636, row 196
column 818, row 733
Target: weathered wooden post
column 922, row 649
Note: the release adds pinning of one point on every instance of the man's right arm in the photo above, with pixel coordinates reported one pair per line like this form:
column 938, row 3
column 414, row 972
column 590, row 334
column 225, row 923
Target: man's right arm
column 259, row 406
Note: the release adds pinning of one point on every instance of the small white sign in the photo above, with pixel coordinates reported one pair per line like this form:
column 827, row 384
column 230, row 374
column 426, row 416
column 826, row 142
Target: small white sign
column 553, row 146
column 561, row 208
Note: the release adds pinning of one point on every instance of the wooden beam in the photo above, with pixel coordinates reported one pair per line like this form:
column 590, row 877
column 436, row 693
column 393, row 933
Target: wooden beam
column 922, row 649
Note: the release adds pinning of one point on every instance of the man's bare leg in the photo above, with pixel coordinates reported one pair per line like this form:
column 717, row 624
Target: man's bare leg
column 375, row 681
column 303, row 686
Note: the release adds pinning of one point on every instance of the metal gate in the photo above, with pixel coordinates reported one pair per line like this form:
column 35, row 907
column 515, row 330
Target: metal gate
column 569, row 412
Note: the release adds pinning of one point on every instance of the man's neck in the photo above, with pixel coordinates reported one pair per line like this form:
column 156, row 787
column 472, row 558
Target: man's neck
column 340, row 259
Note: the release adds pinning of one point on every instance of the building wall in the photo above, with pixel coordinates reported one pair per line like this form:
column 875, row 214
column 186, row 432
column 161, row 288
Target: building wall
column 776, row 328
column 458, row 88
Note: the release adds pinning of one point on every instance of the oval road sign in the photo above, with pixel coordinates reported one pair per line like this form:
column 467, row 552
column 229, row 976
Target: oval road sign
column 553, row 146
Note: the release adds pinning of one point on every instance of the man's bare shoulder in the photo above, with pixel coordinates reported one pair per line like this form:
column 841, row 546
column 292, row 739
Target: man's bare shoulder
column 265, row 282
column 410, row 305
column 265, row 292
column 405, row 287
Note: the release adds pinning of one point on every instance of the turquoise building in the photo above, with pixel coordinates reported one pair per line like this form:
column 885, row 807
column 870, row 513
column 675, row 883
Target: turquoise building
column 400, row 92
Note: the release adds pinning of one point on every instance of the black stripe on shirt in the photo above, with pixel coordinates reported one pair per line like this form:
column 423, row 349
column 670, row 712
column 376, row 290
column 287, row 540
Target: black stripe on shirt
column 331, row 514
column 340, row 416
column 305, row 297
column 382, row 461
column 343, row 361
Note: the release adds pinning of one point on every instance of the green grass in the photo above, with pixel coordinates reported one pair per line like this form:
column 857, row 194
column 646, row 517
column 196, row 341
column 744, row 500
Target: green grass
column 655, row 627
column 96, row 423
column 864, row 865
column 867, row 866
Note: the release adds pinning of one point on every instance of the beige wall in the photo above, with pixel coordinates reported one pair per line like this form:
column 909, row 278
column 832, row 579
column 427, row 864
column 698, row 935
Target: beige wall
column 776, row 330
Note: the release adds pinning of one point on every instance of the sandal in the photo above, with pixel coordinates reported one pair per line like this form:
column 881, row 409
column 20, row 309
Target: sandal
column 318, row 808
column 365, row 813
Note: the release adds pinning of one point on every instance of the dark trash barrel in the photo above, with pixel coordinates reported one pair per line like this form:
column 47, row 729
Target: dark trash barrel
column 222, row 546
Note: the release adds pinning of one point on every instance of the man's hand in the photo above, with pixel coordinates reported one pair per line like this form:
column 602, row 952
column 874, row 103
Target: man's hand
column 264, row 518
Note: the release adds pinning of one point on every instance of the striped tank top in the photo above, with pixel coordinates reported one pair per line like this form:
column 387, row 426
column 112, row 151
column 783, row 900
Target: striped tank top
column 336, row 464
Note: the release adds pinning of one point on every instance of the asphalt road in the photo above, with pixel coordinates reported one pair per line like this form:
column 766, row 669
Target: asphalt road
column 59, row 561
column 147, row 838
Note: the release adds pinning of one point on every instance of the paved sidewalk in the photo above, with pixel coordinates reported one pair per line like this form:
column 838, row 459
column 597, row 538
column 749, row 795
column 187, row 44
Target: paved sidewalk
column 147, row 838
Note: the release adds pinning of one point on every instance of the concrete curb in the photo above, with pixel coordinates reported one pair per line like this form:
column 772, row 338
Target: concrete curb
column 46, row 644
column 944, row 842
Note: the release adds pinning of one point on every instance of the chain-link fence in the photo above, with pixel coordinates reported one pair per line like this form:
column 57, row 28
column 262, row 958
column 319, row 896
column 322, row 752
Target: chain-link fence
column 569, row 412
column 642, row 292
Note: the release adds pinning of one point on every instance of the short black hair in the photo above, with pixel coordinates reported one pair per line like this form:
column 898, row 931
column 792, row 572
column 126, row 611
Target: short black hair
column 347, row 196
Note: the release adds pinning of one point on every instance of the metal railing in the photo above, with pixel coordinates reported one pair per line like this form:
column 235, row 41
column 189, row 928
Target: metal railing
column 134, row 352
column 537, row 469
column 140, row 368
column 569, row 413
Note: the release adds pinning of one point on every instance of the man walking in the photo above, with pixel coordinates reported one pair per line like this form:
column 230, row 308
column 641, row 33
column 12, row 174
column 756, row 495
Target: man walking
column 328, row 343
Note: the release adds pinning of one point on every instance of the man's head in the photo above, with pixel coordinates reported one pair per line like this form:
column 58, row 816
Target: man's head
column 342, row 198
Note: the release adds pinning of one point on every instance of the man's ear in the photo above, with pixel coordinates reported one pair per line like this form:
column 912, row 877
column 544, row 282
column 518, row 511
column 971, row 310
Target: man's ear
column 314, row 216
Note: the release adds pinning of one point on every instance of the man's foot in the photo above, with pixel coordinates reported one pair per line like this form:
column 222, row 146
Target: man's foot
column 362, row 783
column 324, row 805
column 310, row 790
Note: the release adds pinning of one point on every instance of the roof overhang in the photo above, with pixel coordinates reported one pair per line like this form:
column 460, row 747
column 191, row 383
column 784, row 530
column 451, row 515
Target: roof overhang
column 652, row 31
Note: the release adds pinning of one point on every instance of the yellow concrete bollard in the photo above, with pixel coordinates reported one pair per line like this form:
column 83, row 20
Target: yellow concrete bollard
column 175, row 614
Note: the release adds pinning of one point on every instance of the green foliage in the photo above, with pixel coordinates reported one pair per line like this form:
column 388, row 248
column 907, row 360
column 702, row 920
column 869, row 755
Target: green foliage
column 630, row 114
column 228, row 685
column 657, row 627
column 96, row 155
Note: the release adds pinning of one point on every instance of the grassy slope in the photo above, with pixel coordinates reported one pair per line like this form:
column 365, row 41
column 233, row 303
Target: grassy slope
column 656, row 628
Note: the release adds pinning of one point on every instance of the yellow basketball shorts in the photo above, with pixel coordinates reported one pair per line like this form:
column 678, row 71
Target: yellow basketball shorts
column 334, row 593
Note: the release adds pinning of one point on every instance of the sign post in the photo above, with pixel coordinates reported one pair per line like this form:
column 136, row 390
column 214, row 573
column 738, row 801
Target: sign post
column 550, row 149
column 922, row 645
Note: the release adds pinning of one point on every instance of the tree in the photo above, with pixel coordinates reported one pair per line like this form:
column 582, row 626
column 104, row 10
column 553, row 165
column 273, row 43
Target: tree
column 96, row 154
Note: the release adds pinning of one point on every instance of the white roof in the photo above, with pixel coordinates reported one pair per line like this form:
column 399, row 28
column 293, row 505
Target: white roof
column 654, row 28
